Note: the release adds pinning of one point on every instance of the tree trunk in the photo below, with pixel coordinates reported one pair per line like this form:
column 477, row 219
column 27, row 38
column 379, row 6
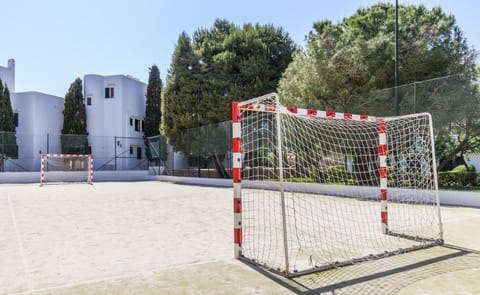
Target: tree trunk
column 450, row 157
column 219, row 166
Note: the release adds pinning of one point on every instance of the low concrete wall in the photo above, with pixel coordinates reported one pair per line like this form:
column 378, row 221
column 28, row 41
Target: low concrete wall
column 452, row 198
column 120, row 175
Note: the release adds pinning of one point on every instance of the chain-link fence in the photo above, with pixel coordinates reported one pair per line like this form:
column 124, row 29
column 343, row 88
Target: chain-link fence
column 110, row 152
column 453, row 101
column 204, row 152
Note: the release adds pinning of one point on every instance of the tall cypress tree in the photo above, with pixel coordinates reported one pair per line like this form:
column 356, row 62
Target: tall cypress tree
column 9, row 123
column 74, row 121
column 152, row 111
column 156, row 144
column 6, row 112
column 8, row 146
column 2, row 107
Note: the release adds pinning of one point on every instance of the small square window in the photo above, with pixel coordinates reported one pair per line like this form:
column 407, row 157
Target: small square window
column 109, row 92
column 89, row 100
column 131, row 122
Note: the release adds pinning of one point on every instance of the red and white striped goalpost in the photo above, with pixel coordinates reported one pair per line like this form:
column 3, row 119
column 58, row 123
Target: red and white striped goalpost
column 237, row 179
column 66, row 156
column 382, row 154
column 237, row 157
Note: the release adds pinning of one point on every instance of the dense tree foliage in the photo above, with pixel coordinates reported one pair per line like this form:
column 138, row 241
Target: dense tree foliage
column 357, row 55
column 155, row 144
column 344, row 63
column 8, row 146
column 152, row 108
column 215, row 67
column 74, row 131
column 6, row 111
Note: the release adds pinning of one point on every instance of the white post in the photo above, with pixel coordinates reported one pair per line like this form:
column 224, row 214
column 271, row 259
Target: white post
column 280, row 175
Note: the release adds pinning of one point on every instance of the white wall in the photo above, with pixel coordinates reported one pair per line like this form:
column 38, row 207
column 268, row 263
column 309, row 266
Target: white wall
column 108, row 119
column 40, row 121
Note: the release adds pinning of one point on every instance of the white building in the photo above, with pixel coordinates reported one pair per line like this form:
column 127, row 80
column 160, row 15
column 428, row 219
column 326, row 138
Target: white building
column 38, row 121
column 115, row 107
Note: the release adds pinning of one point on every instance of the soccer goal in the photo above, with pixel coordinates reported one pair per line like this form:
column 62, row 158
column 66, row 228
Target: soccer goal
column 315, row 190
column 66, row 168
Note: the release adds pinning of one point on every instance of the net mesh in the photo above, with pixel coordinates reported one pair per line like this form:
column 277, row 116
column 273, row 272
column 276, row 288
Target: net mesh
column 327, row 171
column 66, row 168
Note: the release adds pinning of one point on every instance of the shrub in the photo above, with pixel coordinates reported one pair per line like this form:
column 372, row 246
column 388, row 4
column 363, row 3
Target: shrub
column 458, row 176
column 335, row 174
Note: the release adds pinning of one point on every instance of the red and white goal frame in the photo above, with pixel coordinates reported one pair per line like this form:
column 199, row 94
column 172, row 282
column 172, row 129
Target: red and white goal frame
column 65, row 156
column 269, row 104
column 237, row 155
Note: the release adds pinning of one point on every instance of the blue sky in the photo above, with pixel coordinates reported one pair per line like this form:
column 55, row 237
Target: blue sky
column 55, row 41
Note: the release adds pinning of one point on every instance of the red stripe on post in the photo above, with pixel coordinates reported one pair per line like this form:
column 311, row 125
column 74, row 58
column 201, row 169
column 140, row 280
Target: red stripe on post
column 237, row 175
column 384, row 216
column 237, row 233
column 363, row 117
column 347, row 116
column 292, row 110
column 383, row 172
column 382, row 149
column 311, row 112
column 383, row 194
column 235, row 112
column 237, row 205
column 381, row 126
column 236, row 145
column 330, row 114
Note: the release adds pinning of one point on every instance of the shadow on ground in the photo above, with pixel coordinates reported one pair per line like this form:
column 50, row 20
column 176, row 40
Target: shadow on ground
column 390, row 275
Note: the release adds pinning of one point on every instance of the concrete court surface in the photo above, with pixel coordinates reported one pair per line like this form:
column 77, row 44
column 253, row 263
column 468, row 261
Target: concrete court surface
column 164, row 238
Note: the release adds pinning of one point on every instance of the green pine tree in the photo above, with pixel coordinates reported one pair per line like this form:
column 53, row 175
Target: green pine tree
column 9, row 123
column 74, row 131
column 152, row 110
column 8, row 146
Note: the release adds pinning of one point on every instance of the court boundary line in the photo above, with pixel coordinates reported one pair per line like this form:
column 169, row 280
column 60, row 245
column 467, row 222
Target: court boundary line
column 21, row 248
column 113, row 278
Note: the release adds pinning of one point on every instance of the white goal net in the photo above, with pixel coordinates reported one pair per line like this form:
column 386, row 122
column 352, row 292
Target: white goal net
column 66, row 168
column 315, row 190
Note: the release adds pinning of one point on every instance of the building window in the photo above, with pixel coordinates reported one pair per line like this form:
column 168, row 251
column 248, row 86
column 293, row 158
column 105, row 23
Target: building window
column 139, row 153
column 89, row 100
column 131, row 121
column 109, row 93
column 131, row 150
column 137, row 125
column 143, row 125
column 15, row 119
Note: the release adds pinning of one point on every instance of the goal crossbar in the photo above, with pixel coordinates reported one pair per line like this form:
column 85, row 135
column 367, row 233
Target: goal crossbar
column 295, row 216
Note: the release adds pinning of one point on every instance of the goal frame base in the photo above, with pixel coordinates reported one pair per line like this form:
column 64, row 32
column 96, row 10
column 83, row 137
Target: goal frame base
column 349, row 262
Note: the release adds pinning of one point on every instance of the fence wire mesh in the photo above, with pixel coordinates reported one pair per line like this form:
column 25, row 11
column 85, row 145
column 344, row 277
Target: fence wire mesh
column 453, row 101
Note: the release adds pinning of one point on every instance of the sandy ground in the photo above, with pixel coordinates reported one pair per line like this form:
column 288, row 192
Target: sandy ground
column 163, row 238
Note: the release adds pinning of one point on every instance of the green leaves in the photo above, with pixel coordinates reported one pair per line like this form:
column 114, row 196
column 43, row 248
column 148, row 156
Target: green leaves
column 74, row 120
column 152, row 108
column 218, row 65
column 357, row 55
column 6, row 112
